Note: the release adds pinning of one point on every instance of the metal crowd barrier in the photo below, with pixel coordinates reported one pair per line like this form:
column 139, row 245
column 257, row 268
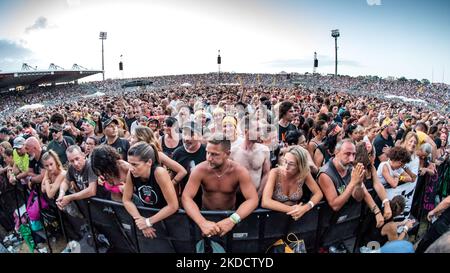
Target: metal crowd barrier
column 179, row 234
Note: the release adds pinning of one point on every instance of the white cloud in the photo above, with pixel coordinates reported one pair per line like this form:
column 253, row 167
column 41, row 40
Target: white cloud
column 374, row 2
column 73, row 3
column 40, row 23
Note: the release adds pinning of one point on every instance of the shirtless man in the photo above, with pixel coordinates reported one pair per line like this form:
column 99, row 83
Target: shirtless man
column 253, row 156
column 220, row 179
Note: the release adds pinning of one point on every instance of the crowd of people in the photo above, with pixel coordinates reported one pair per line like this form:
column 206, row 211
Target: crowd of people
column 263, row 143
column 435, row 95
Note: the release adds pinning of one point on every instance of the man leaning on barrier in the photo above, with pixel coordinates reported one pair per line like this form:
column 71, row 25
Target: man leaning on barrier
column 220, row 179
column 80, row 177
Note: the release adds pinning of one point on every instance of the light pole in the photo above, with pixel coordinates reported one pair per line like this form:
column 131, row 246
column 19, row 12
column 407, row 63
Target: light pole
column 102, row 37
column 219, row 61
column 335, row 34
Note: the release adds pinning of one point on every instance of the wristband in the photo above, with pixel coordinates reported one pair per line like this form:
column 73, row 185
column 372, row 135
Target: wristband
column 406, row 229
column 235, row 218
column 147, row 221
column 311, row 203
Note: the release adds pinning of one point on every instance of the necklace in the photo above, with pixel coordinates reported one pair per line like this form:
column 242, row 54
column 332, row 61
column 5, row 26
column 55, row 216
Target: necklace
column 219, row 176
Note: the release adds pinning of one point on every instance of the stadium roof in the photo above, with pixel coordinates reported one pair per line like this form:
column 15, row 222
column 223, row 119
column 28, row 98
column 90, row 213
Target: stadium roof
column 37, row 77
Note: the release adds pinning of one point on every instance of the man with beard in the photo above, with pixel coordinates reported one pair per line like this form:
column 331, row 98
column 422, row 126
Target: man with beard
column 34, row 151
column 338, row 181
column 253, row 156
column 220, row 179
column 383, row 142
column 343, row 185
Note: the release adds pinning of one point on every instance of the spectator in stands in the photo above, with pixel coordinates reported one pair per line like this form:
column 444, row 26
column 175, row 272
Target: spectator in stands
column 219, row 177
column 316, row 135
column 383, row 142
column 176, row 171
column 397, row 230
column 171, row 139
column 112, row 137
column 110, row 169
column 251, row 155
column 34, row 150
column 284, row 188
column 90, row 144
column 152, row 185
column 80, row 178
column 21, row 159
column 60, row 143
column 391, row 172
column 326, row 150
column 54, row 174
column 286, row 116
column 191, row 154
column 229, row 129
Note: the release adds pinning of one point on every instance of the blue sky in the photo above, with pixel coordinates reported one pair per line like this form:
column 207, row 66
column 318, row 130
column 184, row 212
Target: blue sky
column 159, row 37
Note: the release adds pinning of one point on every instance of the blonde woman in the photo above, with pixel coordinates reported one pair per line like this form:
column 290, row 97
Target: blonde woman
column 284, row 188
column 54, row 174
column 146, row 135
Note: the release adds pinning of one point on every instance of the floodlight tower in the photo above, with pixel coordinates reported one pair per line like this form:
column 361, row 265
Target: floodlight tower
column 335, row 34
column 102, row 37
column 219, row 62
column 316, row 63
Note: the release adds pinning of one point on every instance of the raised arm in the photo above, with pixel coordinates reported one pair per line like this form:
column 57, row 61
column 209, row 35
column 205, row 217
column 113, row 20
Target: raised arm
column 176, row 167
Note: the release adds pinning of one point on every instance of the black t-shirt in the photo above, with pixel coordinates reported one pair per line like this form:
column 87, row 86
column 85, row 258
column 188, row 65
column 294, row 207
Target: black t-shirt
column 36, row 165
column 149, row 192
column 282, row 131
column 169, row 151
column 129, row 121
column 60, row 148
column 83, row 178
column 379, row 143
column 189, row 160
column 122, row 146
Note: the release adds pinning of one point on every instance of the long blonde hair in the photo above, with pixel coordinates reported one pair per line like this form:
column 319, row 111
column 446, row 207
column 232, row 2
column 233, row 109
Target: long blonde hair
column 146, row 134
column 55, row 156
column 301, row 156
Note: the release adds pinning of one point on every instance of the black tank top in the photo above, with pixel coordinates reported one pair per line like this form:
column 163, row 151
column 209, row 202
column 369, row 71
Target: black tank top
column 169, row 151
column 149, row 191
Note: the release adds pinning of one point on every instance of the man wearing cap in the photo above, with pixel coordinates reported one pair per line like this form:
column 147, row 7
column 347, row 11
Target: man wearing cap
column 21, row 158
column 112, row 137
column 59, row 143
column 384, row 141
column 406, row 125
column 191, row 153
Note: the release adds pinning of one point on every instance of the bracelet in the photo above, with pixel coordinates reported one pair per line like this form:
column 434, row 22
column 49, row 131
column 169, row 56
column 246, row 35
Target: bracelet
column 311, row 204
column 235, row 218
column 384, row 202
column 147, row 221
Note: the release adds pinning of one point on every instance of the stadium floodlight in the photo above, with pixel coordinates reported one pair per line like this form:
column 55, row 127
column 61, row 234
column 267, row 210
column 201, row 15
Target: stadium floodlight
column 103, row 36
column 335, row 34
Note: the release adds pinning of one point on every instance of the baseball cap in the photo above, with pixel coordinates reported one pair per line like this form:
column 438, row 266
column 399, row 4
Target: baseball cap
column 107, row 122
column 19, row 142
